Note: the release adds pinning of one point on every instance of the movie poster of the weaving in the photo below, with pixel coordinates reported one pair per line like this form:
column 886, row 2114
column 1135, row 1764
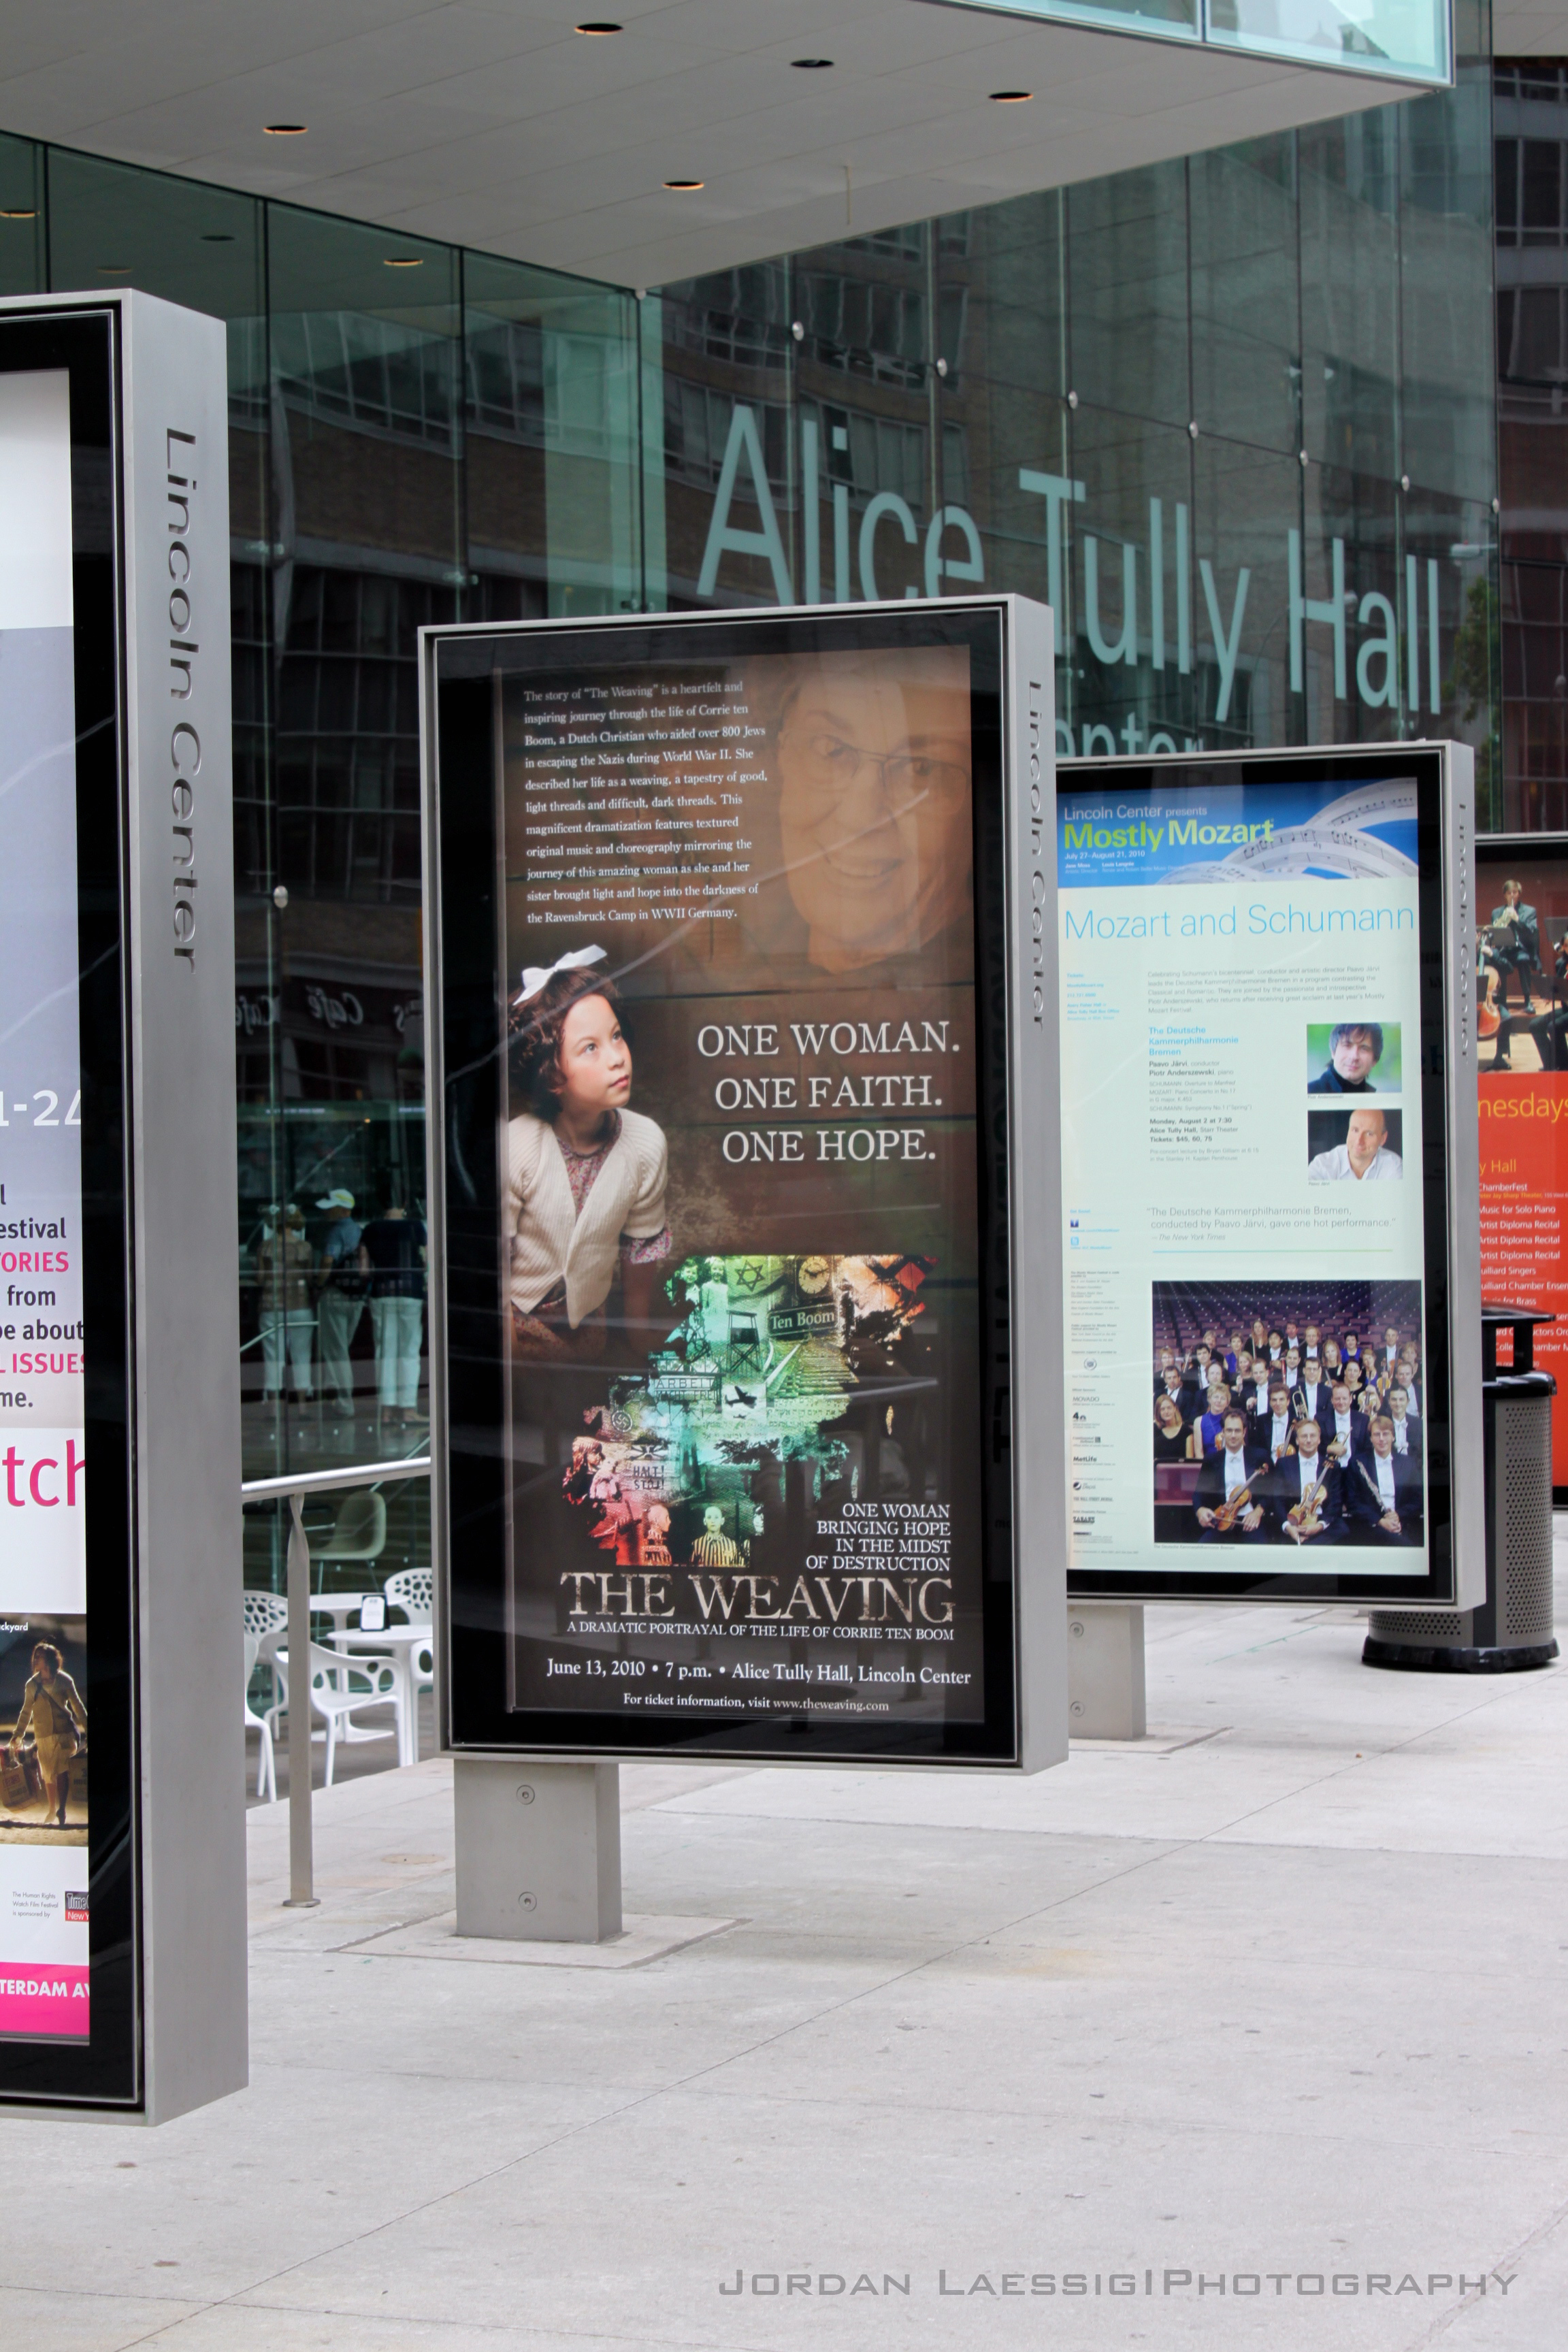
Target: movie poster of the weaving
column 737, row 1173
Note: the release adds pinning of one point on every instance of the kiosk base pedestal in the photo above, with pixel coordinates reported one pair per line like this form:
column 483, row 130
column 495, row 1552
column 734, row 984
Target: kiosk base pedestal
column 538, row 1849
column 1106, row 1698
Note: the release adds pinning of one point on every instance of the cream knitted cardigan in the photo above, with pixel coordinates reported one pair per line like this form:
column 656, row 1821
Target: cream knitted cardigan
column 549, row 1240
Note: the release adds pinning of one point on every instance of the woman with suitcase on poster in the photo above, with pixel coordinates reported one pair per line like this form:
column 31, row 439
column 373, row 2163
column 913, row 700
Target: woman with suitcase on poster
column 52, row 1706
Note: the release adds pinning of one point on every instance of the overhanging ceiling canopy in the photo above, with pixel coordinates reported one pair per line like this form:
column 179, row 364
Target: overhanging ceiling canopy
column 495, row 124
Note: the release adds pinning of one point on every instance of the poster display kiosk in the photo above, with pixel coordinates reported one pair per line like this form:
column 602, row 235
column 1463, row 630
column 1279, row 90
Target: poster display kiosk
column 745, row 1315
column 1521, row 1047
column 122, row 1978
column 1270, row 1181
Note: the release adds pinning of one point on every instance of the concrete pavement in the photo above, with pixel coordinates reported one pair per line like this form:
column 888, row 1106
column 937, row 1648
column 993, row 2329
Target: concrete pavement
column 1274, row 2000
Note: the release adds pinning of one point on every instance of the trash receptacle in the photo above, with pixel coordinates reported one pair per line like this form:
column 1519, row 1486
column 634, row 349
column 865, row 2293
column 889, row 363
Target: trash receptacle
column 1513, row 1628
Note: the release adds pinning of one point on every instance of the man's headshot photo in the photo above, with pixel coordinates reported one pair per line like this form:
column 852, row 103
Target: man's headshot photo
column 1365, row 1151
column 1353, row 1057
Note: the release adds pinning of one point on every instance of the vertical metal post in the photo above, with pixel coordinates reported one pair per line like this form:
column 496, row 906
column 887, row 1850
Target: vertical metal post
column 301, row 1868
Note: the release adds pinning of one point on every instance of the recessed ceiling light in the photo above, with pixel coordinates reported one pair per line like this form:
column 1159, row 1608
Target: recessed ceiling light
column 284, row 130
column 811, row 64
column 405, row 261
column 597, row 31
column 682, row 186
column 18, row 214
column 1011, row 97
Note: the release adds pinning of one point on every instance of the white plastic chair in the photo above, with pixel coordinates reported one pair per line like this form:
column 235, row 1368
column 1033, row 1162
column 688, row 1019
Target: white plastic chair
column 414, row 1592
column 414, row 1589
column 266, row 1616
column 263, row 1611
column 340, row 1687
column 265, row 1771
column 358, row 1531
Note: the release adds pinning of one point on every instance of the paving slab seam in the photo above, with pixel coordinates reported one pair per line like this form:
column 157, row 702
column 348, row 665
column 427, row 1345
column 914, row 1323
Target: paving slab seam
column 497, row 2171
column 598, row 2335
column 691, row 2080
column 1208, row 2128
column 1337, row 1773
column 1507, row 2266
column 557, row 2331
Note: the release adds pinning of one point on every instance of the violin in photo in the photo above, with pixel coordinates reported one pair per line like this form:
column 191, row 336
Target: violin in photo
column 1302, row 1518
column 1227, row 1514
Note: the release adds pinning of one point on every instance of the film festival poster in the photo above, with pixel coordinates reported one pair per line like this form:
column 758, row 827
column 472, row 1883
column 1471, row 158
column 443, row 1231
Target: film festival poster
column 45, row 1685
column 743, row 1338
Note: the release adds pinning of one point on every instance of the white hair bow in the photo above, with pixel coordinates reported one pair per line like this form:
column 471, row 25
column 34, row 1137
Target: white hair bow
column 535, row 975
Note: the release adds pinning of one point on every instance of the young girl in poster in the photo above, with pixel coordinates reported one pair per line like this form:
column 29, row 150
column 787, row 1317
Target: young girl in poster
column 585, row 1175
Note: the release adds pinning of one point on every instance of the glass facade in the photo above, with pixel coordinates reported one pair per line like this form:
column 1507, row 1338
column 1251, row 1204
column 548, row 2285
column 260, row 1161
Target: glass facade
column 1233, row 416
column 1531, row 132
column 1406, row 38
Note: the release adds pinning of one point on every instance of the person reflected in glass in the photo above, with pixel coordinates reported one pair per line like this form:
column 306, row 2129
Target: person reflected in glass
column 339, row 1287
column 873, row 772
column 283, row 1262
column 392, row 1255
column 52, row 1710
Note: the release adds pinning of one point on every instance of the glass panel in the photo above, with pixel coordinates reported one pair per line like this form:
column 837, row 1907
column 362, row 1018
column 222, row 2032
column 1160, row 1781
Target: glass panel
column 1246, row 294
column 552, row 425
column 1404, row 37
column 111, row 225
column 1244, row 502
column 364, row 415
column 21, row 216
column 1532, row 125
column 1350, row 292
column 1127, row 272
column 867, row 394
column 1135, row 649
column 1394, row 37
column 1449, row 388
column 1173, row 19
column 370, row 1585
column 1002, row 328
column 729, row 454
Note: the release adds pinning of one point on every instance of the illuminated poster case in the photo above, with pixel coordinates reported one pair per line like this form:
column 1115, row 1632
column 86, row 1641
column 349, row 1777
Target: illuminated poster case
column 1269, row 1176
column 1521, row 1046
column 122, row 1888
column 741, row 1294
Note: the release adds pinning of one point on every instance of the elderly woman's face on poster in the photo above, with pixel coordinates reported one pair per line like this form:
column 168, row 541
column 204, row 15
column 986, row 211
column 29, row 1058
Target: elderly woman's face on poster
column 874, row 773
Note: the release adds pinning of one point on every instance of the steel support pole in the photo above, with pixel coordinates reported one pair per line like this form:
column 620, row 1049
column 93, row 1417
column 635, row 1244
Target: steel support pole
column 301, row 1865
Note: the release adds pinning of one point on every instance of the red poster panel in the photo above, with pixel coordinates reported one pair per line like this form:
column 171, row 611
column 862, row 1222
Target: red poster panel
column 1522, row 1019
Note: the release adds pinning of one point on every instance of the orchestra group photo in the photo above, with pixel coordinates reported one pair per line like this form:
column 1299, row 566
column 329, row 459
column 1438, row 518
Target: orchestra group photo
column 1289, row 1413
